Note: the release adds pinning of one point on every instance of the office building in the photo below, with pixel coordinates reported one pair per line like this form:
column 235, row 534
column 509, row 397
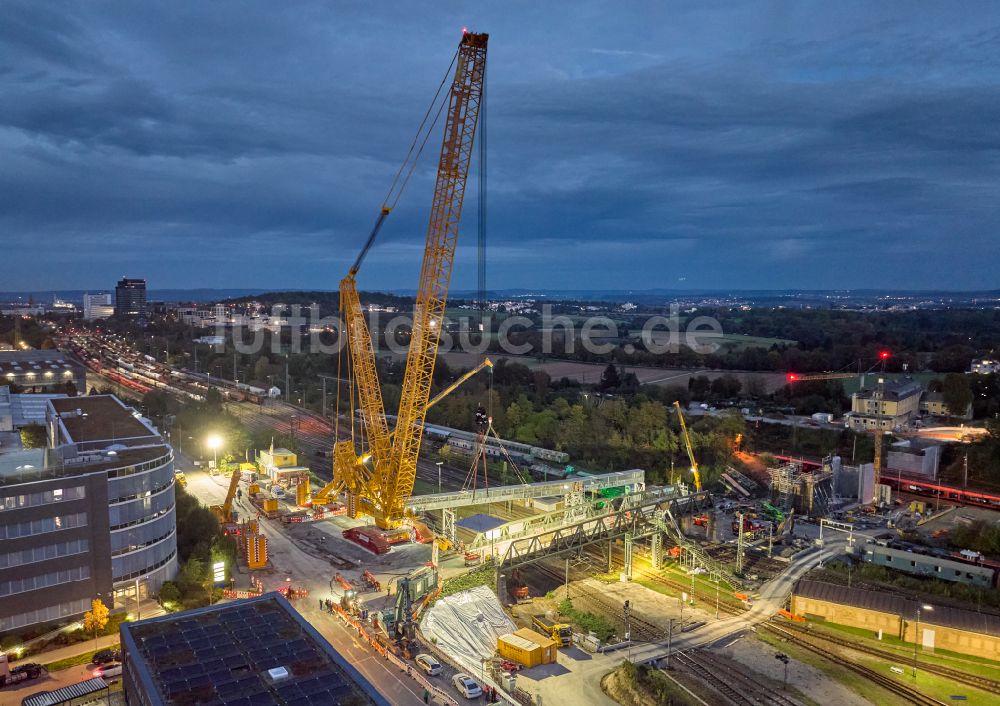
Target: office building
column 97, row 306
column 253, row 651
column 41, row 371
column 130, row 298
column 92, row 515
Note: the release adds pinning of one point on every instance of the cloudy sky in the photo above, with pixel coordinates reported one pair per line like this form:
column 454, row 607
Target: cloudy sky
column 631, row 144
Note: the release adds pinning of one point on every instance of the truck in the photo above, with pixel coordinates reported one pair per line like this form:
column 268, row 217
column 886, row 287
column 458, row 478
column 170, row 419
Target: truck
column 560, row 632
column 20, row 673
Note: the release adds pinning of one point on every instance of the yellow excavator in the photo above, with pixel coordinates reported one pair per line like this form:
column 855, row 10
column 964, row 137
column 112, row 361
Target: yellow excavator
column 378, row 481
column 690, row 449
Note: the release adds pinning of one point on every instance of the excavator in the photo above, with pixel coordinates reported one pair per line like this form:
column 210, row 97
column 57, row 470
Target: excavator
column 378, row 481
column 690, row 449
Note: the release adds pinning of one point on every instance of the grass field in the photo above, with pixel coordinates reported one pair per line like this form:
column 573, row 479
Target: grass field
column 728, row 341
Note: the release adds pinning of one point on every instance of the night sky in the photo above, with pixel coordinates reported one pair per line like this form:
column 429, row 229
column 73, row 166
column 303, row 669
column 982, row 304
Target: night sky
column 631, row 144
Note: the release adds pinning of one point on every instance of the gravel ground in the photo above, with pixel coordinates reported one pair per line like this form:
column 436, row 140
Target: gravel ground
column 759, row 657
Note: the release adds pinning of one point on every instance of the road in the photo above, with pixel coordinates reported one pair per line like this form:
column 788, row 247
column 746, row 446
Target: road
column 298, row 562
column 579, row 674
column 12, row 696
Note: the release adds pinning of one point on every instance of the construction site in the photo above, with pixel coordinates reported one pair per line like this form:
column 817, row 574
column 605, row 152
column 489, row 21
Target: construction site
column 535, row 584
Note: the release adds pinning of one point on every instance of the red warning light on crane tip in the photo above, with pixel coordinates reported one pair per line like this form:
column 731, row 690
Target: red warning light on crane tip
column 465, row 30
column 792, row 377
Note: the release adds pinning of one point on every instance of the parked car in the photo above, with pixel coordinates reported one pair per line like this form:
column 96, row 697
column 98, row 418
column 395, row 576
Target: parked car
column 109, row 670
column 105, row 656
column 467, row 686
column 430, row 665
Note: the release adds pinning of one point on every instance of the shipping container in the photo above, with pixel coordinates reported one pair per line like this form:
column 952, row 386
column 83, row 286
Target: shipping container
column 527, row 647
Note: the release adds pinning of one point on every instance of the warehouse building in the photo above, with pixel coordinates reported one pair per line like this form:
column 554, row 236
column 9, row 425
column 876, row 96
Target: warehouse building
column 90, row 516
column 253, row 651
column 41, row 371
column 883, row 613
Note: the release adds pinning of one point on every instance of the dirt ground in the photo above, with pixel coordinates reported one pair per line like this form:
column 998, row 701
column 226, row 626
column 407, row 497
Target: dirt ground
column 759, row 657
column 959, row 516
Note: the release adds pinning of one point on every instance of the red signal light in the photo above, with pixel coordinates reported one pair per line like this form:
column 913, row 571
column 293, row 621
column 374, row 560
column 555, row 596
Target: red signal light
column 883, row 355
column 792, row 377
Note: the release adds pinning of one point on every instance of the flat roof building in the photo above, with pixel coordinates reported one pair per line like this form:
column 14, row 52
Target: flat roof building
column 97, row 306
column 41, row 371
column 92, row 515
column 254, row 651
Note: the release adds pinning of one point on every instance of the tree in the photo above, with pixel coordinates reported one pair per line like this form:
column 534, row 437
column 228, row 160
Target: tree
column 699, row 386
column 156, row 403
column 957, row 393
column 169, row 593
column 262, row 368
column 33, row 436
column 96, row 618
column 610, row 379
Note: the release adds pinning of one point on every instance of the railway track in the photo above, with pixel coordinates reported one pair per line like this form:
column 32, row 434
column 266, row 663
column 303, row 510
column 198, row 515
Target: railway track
column 912, row 694
column 642, row 630
column 708, row 597
column 736, row 685
column 980, row 682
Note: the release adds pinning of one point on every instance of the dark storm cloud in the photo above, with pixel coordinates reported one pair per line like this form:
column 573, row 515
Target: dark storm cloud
column 631, row 144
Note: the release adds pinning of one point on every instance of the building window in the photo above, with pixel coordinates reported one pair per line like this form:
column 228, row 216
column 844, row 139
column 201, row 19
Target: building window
column 46, row 497
column 54, row 578
column 46, row 524
column 51, row 551
column 43, row 615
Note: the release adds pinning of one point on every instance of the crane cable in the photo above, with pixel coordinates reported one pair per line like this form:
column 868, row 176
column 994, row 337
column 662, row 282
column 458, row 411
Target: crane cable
column 392, row 196
column 482, row 208
column 412, row 157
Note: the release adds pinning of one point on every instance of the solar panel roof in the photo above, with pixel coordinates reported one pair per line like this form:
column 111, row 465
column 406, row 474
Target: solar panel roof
column 220, row 656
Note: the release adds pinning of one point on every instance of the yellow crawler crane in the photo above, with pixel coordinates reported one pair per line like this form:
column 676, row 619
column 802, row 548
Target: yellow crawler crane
column 690, row 449
column 379, row 481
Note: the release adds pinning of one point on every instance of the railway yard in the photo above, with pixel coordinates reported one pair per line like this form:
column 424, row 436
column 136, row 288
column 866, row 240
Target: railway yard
column 685, row 613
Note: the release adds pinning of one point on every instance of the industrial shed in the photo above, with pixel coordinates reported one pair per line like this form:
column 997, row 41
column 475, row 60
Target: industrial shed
column 942, row 627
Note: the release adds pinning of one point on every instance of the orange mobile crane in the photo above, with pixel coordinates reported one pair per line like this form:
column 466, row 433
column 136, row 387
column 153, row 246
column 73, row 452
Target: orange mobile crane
column 224, row 512
column 379, row 481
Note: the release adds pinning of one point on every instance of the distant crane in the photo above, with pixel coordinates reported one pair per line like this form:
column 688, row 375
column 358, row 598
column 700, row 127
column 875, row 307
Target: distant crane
column 877, row 401
column 690, row 449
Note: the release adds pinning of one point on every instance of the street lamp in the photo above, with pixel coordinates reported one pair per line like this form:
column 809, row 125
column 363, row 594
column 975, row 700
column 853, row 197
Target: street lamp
column 438, row 464
column 214, row 442
column 783, row 658
column 916, row 635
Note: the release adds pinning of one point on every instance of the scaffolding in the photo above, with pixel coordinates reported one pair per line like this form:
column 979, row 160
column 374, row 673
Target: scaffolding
column 805, row 491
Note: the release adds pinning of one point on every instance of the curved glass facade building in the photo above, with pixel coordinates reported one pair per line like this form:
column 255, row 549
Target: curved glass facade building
column 91, row 516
